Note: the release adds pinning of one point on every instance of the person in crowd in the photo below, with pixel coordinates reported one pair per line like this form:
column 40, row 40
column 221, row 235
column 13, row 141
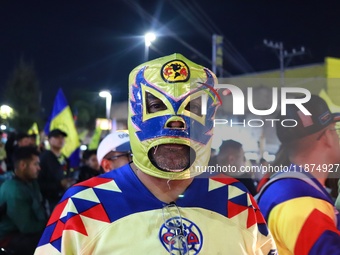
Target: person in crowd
column 114, row 151
column 213, row 157
column 9, row 148
column 281, row 160
column 331, row 185
column 90, row 167
column 3, row 155
column 54, row 177
column 41, row 146
column 231, row 155
column 33, row 140
column 23, row 139
column 263, row 162
column 23, row 217
column 299, row 211
column 159, row 197
column 15, row 140
column 337, row 202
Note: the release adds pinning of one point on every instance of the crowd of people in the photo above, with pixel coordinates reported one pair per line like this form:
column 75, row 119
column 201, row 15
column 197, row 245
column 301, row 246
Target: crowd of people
column 40, row 178
column 140, row 191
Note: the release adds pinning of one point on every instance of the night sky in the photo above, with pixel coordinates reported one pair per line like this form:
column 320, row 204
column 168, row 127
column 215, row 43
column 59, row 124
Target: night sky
column 93, row 45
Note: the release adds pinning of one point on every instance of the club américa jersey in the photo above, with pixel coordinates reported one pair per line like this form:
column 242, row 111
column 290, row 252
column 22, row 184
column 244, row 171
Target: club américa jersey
column 301, row 215
column 115, row 213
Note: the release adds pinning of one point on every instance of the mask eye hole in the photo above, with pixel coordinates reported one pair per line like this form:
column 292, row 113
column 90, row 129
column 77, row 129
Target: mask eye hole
column 195, row 106
column 154, row 104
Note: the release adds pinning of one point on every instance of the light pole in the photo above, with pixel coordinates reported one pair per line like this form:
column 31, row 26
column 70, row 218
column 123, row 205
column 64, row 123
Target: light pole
column 6, row 113
column 106, row 94
column 148, row 39
column 282, row 55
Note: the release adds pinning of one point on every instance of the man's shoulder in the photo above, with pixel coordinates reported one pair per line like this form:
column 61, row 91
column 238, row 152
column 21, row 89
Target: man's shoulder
column 11, row 187
column 89, row 198
column 228, row 181
column 239, row 206
column 291, row 186
column 10, row 183
column 47, row 154
column 229, row 190
column 107, row 181
column 91, row 183
column 284, row 190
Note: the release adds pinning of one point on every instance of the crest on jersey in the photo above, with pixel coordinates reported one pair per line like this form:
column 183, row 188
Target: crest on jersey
column 191, row 232
column 175, row 71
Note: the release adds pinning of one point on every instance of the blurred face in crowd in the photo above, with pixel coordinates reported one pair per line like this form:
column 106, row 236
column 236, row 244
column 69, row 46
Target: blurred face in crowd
column 114, row 160
column 28, row 170
column 33, row 141
column 57, row 142
column 233, row 157
column 239, row 158
column 92, row 162
column 26, row 141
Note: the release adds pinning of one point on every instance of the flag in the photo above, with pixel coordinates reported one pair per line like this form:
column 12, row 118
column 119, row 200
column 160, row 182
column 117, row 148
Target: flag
column 82, row 135
column 34, row 130
column 62, row 118
column 333, row 81
column 93, row 145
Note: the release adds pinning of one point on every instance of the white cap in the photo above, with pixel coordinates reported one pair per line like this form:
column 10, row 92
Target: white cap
column 116, row 141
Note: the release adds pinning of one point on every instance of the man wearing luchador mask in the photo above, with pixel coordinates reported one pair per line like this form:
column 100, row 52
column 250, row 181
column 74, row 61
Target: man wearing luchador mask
column 159, row 203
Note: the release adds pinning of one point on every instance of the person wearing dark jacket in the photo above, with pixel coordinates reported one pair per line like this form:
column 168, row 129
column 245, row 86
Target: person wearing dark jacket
column 55, row 176
column 23, row 216
column 91, row 166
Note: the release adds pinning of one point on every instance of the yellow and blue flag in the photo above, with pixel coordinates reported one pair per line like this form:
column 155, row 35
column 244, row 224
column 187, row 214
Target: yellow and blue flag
column 62, row 118
column 93, row 145
column 34, row 130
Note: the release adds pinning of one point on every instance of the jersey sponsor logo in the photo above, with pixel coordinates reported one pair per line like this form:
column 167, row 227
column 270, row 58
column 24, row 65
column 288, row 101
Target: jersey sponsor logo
column 191, row 232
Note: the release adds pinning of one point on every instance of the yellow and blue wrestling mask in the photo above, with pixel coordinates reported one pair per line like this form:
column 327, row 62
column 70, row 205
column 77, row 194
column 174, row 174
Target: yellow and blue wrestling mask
column 170, row 130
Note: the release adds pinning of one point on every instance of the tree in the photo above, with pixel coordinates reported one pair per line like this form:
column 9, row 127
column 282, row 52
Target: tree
column 22, row 94
column 85, row 114
column 86, row 106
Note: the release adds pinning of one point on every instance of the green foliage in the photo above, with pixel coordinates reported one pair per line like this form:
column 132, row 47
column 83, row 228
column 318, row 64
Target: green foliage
column 85, row 105
column 86, row 114
column 22, row 94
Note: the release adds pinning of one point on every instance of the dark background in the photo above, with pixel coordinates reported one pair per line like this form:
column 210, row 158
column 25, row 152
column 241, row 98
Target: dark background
column 93, row 45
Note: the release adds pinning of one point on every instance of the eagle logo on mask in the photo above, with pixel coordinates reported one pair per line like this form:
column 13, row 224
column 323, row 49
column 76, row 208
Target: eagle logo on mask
column 175, row 71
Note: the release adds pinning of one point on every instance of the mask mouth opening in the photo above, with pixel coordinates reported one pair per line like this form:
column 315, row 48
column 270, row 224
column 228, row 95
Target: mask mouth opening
column 171, row 157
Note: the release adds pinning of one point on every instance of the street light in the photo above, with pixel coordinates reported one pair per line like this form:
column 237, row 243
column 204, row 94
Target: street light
column 148, row 38
column 106, row 94
column 6, row 111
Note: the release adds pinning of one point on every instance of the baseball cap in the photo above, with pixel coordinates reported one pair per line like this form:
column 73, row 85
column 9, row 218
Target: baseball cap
column 116, row 141
column 56, row 132
column 306, row 124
